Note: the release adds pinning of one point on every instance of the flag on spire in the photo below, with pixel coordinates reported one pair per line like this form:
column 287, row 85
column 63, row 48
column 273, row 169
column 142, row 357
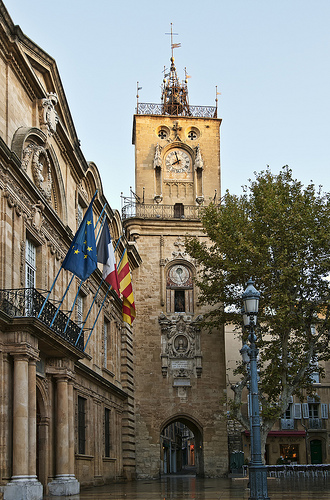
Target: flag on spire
column 106, row 256
column 126, row 289
column 81, row 258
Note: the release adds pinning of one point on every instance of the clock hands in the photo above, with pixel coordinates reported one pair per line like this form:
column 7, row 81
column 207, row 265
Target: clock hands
column 177, row 159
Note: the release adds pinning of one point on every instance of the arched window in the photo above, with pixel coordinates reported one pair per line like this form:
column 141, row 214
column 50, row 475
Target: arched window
column 179, row 289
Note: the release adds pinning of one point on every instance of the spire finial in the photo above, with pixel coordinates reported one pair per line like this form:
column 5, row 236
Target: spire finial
column 173, row 45
column 175, row 94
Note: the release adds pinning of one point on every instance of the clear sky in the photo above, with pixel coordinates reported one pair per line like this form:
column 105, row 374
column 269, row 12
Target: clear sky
column 269, row 59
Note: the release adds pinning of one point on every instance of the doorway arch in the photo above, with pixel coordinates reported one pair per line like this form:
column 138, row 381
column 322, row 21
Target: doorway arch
column 181, row 450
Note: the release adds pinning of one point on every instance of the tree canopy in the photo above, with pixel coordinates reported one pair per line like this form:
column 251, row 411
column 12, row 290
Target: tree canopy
column 278, row 233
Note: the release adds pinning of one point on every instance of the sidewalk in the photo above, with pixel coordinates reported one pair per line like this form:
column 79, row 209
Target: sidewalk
column 192, row 488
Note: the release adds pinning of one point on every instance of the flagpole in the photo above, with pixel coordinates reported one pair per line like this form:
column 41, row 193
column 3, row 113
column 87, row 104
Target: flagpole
column 121, row 258
column 100, row 215
column 61, row 302
column 101, row 226
column 72, row 308
column 84, row 323
column 97, row 317
column 94, row 301
column 75, row 299
column 58, row 273
column 50, row 291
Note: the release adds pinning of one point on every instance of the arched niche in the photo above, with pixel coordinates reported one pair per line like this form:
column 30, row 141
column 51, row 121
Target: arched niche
column 93, row 180
column 39, row 161
column 179, row 287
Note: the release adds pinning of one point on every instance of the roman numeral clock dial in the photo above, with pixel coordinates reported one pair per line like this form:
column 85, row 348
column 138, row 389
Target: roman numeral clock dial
column 177, row 161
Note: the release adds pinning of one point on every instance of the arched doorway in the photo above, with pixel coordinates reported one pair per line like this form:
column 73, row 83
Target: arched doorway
column 181, row 446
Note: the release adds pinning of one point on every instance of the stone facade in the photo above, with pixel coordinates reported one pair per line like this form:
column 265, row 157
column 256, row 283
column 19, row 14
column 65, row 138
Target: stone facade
column 67, row 408
column 179, row 368
column 301, row 435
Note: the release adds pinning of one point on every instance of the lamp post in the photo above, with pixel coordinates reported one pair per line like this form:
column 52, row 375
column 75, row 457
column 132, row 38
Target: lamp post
column 257, row 470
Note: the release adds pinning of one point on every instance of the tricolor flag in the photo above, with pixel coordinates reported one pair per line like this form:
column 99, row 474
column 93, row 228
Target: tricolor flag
column 81, row 258
column 126, row 289
column 106, row 256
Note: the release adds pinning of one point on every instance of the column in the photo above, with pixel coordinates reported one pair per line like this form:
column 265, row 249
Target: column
column 62, row 428
column 32, row 419
column 64, row 483
column 71, row 428
column 24, row 482
column 21, row 418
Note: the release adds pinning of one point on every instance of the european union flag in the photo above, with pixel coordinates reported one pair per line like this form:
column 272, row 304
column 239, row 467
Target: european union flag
column 81, row 258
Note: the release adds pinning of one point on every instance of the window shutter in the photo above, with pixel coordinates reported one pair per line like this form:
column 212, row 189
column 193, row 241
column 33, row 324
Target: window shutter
column 297, row 411
column 324, row 410
column 305, row 410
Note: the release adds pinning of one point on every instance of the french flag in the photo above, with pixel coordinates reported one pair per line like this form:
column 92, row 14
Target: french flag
column 106, row 256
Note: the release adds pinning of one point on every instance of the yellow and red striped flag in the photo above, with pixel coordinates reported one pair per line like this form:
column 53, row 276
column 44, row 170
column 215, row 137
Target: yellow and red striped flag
column 126, row 290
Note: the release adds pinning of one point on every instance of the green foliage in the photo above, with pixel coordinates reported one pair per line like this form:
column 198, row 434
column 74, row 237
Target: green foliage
column 278, row 232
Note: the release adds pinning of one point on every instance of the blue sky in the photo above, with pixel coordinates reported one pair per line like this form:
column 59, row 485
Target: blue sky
column 269, row 59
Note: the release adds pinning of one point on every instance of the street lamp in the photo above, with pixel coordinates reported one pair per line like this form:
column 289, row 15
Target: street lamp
column 257, row 470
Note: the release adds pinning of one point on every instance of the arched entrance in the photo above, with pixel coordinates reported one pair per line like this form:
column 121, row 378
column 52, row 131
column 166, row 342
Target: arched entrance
column 181, row 446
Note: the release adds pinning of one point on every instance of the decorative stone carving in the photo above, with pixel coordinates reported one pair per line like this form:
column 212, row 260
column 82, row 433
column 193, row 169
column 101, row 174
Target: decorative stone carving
column 199, row 164
column 49, row 116
column 180, row 341
column 36, row 215
column 158, row 198
column 41, row 169
column 179, row 245
column 157, row 158
column 176, row 128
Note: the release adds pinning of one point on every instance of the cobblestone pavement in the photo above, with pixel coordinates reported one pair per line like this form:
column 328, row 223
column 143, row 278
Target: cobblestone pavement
column 192, row 488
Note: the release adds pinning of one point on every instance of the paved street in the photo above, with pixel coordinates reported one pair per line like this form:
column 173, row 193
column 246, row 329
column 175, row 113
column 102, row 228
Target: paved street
column 192, row 488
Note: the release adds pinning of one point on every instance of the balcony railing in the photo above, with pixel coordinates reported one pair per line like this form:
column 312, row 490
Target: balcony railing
column 315, row 423
column 27, row 302
column 287, row 424
column 146, row 211
column 144, row 108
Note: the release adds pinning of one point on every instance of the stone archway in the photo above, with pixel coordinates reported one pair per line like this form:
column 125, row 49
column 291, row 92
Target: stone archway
column 180, row 453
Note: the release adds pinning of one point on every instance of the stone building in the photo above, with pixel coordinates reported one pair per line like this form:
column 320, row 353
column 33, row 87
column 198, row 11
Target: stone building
column 67, row 404
column 179, row 368
column 302, row 433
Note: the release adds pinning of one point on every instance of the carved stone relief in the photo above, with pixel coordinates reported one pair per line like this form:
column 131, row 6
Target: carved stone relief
column 40, row 165
column 180, row 247
column 49, row 118
column 199, row 164
column 157, row 157
column 181, row 354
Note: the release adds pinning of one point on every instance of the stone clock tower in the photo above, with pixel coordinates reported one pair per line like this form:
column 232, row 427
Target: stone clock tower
column 179, row 368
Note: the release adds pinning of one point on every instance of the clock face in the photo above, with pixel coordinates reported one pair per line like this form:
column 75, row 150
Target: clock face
column 177, row 160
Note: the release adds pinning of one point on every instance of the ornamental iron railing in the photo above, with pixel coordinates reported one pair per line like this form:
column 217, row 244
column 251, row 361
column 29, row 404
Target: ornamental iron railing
column 315, row 423
column 287, row 424
column 154, row 211
column 27, row 302
column 144, row 108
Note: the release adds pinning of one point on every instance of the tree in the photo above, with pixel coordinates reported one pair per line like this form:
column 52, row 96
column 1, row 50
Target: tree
column 277, row 232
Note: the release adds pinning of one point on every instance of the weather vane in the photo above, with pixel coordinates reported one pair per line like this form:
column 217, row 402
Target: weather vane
column 173, row 45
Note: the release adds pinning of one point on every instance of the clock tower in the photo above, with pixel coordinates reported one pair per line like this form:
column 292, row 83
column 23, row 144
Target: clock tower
column 179, row 368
